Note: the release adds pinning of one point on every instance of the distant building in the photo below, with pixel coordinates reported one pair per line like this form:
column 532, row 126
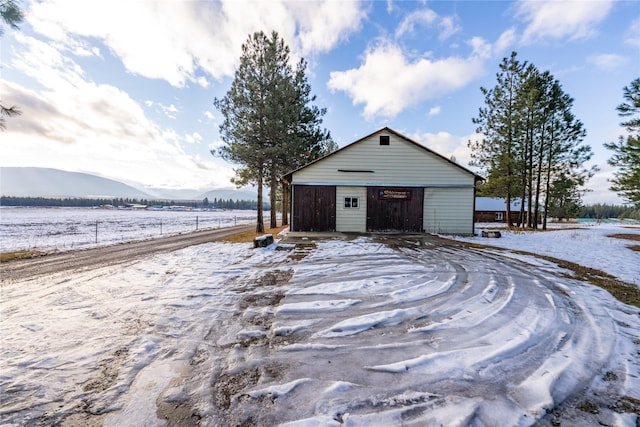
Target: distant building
column 494, row 209
column 383, row 182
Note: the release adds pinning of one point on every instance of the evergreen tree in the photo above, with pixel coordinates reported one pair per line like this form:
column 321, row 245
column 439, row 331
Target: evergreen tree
column 499, row 123
column 247, row 118
column 564, row 196
column 269, row 122
column 532, row 142
column 304, row 139
column 564, row 153
column 627, row 151
column 11, row 15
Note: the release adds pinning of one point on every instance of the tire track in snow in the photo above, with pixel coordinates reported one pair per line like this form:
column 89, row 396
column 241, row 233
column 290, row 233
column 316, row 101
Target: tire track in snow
column 435, row 335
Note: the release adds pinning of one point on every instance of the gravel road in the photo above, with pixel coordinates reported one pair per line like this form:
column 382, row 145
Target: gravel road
column 88, row 259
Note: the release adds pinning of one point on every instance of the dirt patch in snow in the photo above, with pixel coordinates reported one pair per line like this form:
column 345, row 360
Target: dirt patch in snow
column 227, row 385
column 109, row 370
column 624, row 292
column 634, row 237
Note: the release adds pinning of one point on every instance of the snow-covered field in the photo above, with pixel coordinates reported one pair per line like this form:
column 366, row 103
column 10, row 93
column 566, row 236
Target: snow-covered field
column 78, row 228
column 586, row 244
column 372, row 331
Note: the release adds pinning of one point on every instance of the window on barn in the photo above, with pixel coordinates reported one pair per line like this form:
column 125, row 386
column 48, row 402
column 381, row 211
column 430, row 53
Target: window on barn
column 351, row 202
column 384, row 139
column 499, row 216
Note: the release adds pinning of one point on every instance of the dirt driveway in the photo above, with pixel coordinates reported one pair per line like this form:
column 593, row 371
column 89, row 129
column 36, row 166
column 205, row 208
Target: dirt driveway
column 358, row 331
column 82, row 260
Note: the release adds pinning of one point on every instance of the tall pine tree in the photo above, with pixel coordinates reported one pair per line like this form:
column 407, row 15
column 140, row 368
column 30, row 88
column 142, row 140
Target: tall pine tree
column 626, row 155
column 245, row 124
column 499, row 123
column 269, row 123
column 532, row 146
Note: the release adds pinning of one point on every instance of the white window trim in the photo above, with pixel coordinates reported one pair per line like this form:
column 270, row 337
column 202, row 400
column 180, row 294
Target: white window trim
column 351, row 199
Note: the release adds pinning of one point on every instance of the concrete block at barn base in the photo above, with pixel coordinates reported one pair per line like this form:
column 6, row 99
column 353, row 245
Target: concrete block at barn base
column 263, row 241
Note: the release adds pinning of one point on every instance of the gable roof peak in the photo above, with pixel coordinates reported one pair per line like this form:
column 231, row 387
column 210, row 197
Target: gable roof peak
column 397, row 134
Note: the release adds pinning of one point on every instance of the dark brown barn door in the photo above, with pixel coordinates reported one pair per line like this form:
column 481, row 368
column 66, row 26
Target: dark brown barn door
column 314, row 208
column 394, row 209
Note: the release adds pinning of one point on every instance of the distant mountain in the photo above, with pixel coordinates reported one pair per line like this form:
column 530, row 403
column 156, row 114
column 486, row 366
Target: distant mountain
column 230, row 193
column 55, row 183
column 173, row 194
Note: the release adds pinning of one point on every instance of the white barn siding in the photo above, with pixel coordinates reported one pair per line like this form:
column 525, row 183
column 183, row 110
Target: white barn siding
column 350, row 219
column 448, row 187
column 448, row 210
column 400, row 163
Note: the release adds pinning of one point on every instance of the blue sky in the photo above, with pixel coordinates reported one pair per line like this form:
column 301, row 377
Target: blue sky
column 125, row 90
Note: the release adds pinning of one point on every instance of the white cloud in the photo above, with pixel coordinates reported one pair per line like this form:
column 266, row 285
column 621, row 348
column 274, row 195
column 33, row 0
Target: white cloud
column 447, row 145
column 434, row 111
column 322, row 25
column 190, row 36
column 599, row 185
column 505, row 41
column 607, row 61
column 632, row 37
column 558, row 19
column 481, row 48
column 448, row 25
column 169, row 110
column 387, row 81
column 193, row 138
column 72, row 122
column 424, row 17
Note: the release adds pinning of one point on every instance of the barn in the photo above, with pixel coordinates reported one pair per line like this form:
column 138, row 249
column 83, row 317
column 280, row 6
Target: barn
column 384, row 182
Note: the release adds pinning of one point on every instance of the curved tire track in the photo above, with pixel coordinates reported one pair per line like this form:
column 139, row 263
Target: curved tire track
column 439, row 335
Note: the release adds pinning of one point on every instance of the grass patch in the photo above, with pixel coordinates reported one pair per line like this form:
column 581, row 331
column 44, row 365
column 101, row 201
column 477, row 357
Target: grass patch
column 23, row 254
column 623, row 292
column 635, row 237
column 516, row 230
column 248, row 236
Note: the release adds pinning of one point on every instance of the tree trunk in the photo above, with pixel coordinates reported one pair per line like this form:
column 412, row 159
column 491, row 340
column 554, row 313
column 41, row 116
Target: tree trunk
column 260, row 218
column 530, row 180
column 522, row 219
column 285, row 203
column 548, row 183
column 536, row 210
column 272, row 198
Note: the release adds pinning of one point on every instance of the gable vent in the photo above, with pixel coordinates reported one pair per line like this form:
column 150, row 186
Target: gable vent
column 384, row 139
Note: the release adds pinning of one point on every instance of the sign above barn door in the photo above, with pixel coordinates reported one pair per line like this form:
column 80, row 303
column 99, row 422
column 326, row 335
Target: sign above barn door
column 391, row 194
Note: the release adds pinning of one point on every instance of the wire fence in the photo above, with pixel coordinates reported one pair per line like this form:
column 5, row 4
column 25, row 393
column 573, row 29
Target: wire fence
column 45, row 229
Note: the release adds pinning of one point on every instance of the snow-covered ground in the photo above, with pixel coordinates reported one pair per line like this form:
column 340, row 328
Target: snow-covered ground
column 586, row 244
column 358, row 332
column 78, row 228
